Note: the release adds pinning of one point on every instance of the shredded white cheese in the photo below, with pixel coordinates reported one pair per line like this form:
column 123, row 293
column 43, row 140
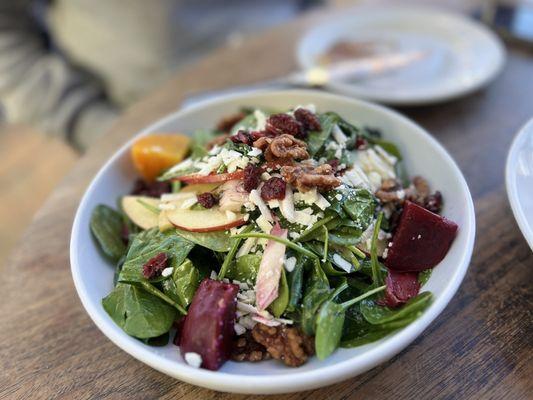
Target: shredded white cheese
column 167, row 272
column 255, row 198
column 342, row 263
column 261, row 119
column 263, row 224
column 338, row 135
column 286, row 206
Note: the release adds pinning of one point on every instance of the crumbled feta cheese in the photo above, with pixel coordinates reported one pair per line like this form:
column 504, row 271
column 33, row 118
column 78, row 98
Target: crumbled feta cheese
column 213, row 275
column 290, row 263
column 385, row 253
column 309, row 197
column 356, row 177
column 265, row 176
column 255, row 152
column 215, row 150
column 342, row 263
column 338, row 196
column 273, row 203
column 167, row 272
column 294, row 235
column 239, row 329
column 419, row 237
column 193, row 359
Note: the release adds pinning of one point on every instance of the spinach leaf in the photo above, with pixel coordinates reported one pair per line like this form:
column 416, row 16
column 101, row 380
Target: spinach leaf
column 389, row 147
column 359, row 204
column 376, row 276
column 200, row 139
column 329, row 323
column 245, row 268
column 423, row 276
column 279, row 305
column 247, row 123
column 317, row 292
column 137, row 312
column 236, row 242
column 183, row 283
column 376, row 314
column 345, row 236
column 316, row 140
column 217, row 241
column 158, row 341
column 148, row 244
column 106, row 226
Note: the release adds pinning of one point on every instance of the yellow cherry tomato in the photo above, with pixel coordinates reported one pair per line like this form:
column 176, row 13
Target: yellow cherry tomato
column 153, row 154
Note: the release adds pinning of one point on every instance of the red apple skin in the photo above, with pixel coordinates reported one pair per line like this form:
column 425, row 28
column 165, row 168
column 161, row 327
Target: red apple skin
column 421, row 241
column 208, row 327
column 227, row 226
column 213, row 178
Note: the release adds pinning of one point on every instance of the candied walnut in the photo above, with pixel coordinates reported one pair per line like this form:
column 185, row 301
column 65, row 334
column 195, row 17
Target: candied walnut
column 150, row 189
column 419, row 193
column 284, row 148
column 155, row 265
column 273, row 189
column 306, row 177
column 242, row 137
column 308, row 120
column 284, row 343
column 225, row 124
column 217, row 141
column 390, row 191
column 245, row 348
column 207, row 200
column 252, row 176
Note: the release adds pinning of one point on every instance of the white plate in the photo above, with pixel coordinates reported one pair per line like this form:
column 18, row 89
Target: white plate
column 462, row 54
column 519, row 180
column 93, row 276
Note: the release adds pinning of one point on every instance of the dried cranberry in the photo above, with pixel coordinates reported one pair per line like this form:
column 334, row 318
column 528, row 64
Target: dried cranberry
column 361, row 143
column 259, row 134
column 251, row 178
column 154, row 266
column 433, row 202
column 242, row 137
column 274, row 188
column 279, row 124
column 308, row 120
column 151, row 189
column 207, row 200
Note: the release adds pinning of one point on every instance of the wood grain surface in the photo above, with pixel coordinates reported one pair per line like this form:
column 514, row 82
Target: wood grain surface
column 480, row 347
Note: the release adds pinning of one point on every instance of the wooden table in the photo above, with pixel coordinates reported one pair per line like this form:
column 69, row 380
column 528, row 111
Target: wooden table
column 480, row 347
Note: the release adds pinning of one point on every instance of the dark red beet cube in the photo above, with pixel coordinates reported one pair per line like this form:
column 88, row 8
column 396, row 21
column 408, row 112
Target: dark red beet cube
column 421, row 241
column 401, row 286
column 208, row 328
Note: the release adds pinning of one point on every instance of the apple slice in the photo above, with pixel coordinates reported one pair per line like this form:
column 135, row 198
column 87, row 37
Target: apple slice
column 140, row 214
column 164, row 223
column 199, row 188
column 209, row 220
column 213, row 178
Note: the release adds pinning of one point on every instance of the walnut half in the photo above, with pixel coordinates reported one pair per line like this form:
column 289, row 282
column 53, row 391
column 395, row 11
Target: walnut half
column 306, row 177
column 284, row 343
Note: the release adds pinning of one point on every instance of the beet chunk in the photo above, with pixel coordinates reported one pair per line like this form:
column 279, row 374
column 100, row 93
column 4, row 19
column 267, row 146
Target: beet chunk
column 421, row 241
column 401, row 286
column 208, row 328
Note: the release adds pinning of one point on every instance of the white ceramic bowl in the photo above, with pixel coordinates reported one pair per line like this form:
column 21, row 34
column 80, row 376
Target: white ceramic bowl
column 93, row 276
column 519, row 180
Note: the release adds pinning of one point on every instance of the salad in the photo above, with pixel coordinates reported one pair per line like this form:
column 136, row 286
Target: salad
column 275, row 235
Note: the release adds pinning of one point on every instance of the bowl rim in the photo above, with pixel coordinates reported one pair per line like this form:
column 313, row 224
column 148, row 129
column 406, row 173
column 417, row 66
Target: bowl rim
column 511, row 184
column 296, row 381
